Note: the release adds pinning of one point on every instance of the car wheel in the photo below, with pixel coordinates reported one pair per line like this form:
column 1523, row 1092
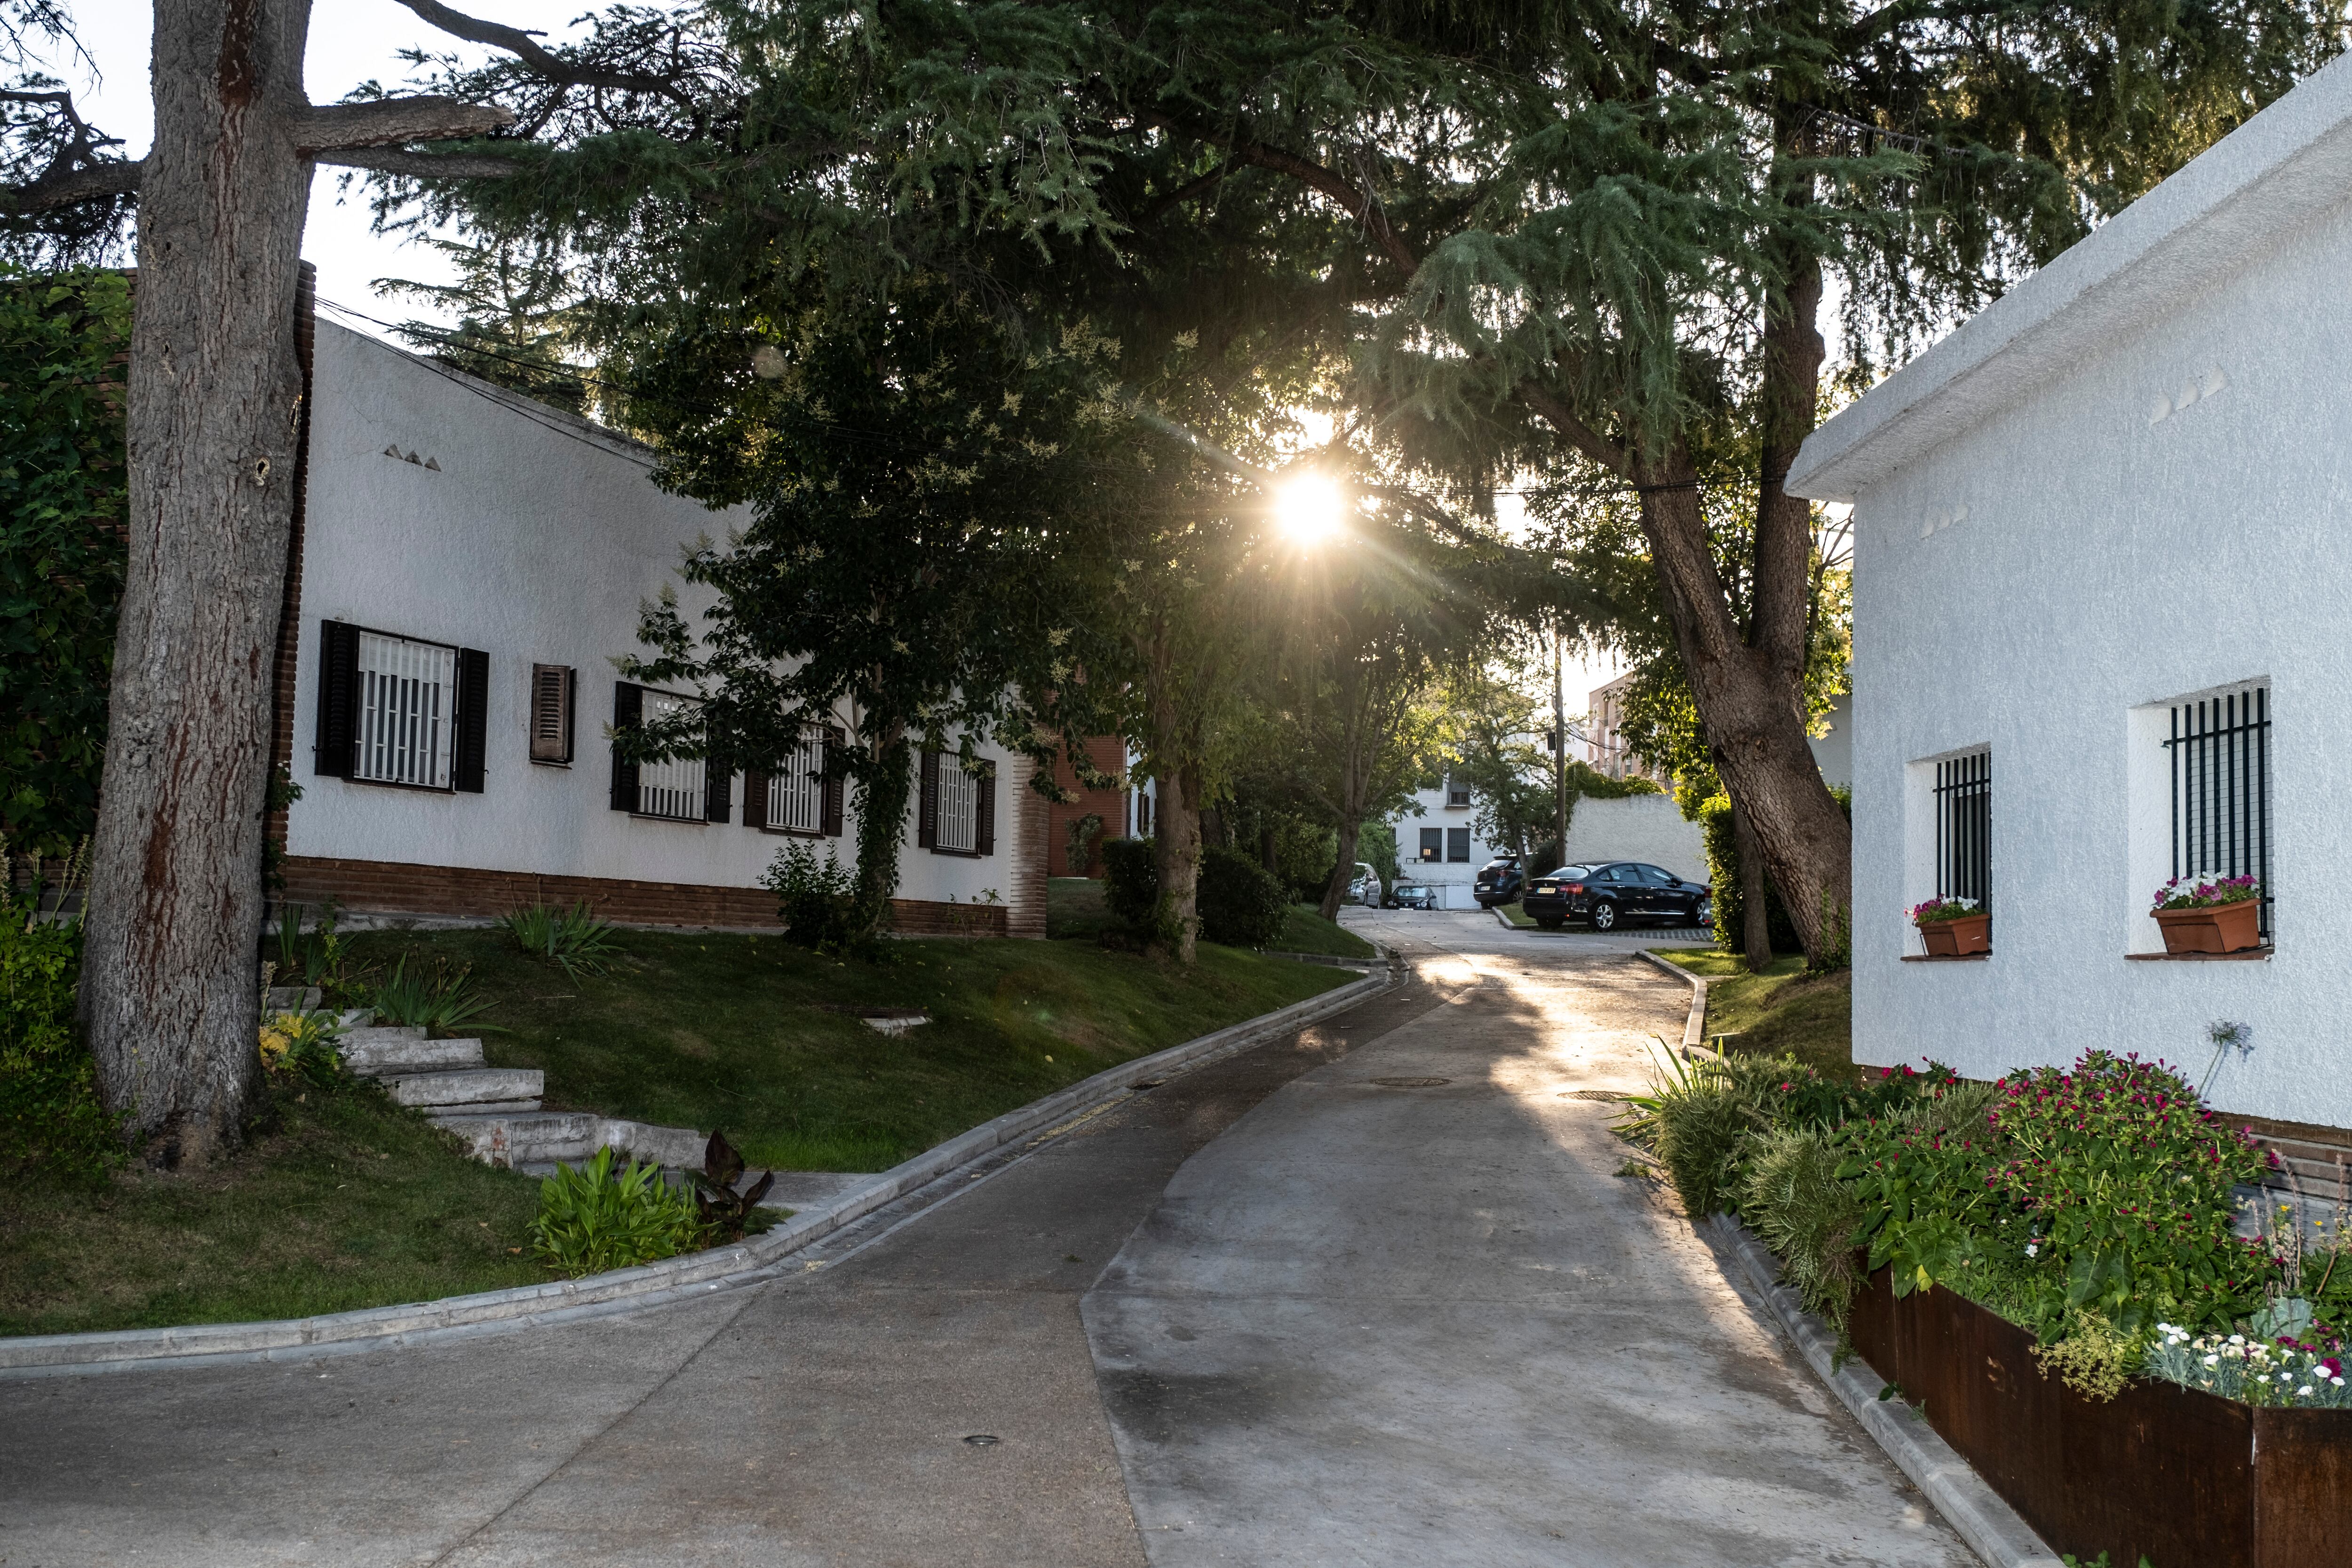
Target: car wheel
column 1604, row 916
column 1550, row 922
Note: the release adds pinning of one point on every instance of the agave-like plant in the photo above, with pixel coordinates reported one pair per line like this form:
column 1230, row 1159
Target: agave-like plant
column 726, row 1212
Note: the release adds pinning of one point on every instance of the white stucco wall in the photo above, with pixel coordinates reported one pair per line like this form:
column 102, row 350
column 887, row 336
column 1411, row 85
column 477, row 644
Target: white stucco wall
column 535, row 540
column 1833, row 749
column 2168, row 515
column 1646, row 828
column 1456, row 881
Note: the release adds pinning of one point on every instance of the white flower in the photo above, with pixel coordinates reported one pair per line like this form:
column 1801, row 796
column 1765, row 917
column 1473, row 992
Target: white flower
column 2237, row 1339
column 2212, row 1361
column 2030, row 1249
column 2336, row 1381
column 2303, row 1390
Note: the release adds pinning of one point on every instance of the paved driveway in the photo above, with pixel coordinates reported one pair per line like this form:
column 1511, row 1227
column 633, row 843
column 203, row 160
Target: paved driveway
column 1270, row 1312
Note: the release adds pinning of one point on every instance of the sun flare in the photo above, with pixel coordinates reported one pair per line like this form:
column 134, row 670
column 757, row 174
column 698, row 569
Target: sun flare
column 1310, row 509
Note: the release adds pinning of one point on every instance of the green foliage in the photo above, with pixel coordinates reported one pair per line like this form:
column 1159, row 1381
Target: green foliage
column 593, row 1219
column 1801, row 1209
column 726, row 1209
column 574, row 939
column 1084, row 831
column 62, row 488
column 1241, row 903
column 439, row 1003
column 321, row 956
column 302, row 1045
column 816, row 897
column 1132, row 879
column 1699, row 1117
column 1722, row 842
column 51, row 1119
column 2095, row 1359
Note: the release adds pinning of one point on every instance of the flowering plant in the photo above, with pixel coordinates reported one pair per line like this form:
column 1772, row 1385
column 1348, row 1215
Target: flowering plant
column 302, row 1045
column 2205, row 895
column 1936, row 910
column 2284, row 1372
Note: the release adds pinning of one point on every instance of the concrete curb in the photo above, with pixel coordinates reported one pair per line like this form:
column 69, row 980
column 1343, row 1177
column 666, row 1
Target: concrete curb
column 654, row 1284
column 1695, row 1025
column 1989, row 1526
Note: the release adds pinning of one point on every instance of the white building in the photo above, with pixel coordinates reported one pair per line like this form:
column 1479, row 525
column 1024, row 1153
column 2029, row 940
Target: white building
column 2104, row 532
column 1440, row 847
column 1605, row 745
column 468, row 564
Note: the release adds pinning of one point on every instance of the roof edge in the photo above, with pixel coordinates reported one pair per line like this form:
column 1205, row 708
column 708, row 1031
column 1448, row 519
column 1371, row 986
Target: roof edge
column 2280, row 170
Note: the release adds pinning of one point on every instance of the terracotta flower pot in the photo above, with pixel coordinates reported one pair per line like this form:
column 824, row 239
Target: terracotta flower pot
column 2216, row 928
column 1950, row 939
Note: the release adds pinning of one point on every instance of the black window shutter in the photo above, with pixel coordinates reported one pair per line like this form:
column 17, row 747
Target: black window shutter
column 984, row 809
column 927, row 815
column 830, row 824
column 551, row 689
column 755, row 798
column 339, row 678
column 628, row 712
column 473, row 718
column 718, row 791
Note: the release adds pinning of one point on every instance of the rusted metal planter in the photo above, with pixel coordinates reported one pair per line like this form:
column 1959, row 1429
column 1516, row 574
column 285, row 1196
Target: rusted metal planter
column 2216, row 928
column 2184, row 1479
column 1951, row 939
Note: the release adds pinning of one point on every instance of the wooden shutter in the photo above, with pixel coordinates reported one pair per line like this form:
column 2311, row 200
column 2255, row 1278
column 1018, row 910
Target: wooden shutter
column 829, row 823
column 755, row 798
column 718, row 791
column 985, row 812
column 628, row 712
column 339, row 675
column 550, row 712
column 473, row 720
column 926, row 814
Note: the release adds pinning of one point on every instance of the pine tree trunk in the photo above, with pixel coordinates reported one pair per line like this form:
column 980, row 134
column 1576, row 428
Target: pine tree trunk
column 1755, row 912
column 169, row 991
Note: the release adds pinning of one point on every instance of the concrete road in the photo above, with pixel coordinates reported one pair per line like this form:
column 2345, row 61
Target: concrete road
column 1268, row 1312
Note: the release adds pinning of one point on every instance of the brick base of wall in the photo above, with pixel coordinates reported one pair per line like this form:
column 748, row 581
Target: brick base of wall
column 390, row 888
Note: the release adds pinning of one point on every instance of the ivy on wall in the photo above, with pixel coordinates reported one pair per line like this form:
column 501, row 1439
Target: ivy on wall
column 62, row 338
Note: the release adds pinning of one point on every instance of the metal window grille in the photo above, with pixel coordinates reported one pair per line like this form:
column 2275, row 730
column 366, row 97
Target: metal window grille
column 958, row 807
column 2220, row 749
column 796, row 795
column 674, row 788
column 1964, row 828
column 1433, row 844
column 1456, row 793
column 407, row 702
column 1457, row 844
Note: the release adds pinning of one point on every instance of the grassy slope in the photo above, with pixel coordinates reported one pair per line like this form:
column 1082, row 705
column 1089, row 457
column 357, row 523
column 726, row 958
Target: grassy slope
column 1307, row 931
column 347, row 1201
column 1779, row 1010
column 726, row 1031
column 1074, row 908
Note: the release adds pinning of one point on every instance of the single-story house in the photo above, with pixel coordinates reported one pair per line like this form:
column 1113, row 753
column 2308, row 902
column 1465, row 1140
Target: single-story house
column 467, row 565
column 2103, row 536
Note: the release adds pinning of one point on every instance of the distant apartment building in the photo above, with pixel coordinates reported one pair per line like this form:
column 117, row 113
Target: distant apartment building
column 1604, row 748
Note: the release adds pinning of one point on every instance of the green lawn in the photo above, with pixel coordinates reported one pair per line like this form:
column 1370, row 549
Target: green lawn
column 1517, row 916
column 1779, row 1010
column 1307, row 931
column 343, row 1200
column 731, row 1031
column 1074, row 908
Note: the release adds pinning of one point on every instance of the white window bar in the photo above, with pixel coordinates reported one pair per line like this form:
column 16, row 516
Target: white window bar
column 407, row 709
column 958, row 826
column 796, row 795
column 674, row 788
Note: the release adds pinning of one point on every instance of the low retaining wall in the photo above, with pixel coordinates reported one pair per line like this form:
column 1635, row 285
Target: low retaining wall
column 2183, row 1479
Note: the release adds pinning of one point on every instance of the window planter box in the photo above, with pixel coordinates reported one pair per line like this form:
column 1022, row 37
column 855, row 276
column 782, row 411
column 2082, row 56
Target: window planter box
column 1957, row 938
column 2218, row 928
column 2180, row 1476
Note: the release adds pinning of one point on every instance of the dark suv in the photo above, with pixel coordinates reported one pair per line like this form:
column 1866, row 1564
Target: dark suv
column 1499, row 881
column 1607, row 894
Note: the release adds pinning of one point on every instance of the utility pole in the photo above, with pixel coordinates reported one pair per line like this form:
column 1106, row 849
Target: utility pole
column 1558, row 753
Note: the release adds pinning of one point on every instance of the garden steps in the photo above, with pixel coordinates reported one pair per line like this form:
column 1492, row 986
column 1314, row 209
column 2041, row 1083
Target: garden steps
column 539, row 1140
column 387, row 1052
column 463, row 1087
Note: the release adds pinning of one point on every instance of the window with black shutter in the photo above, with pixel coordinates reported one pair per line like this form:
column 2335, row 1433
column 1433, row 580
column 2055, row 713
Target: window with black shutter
column 681, row 789
column 984, row 810
column 401, row 710
column 1457, row 845
column 551, row 707
column 628, row 712
column 339, row 656
column 834, row 740
column 1433, row 844
column 927, row 807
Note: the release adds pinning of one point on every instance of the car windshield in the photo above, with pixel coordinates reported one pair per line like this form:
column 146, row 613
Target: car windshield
column 1570, row 873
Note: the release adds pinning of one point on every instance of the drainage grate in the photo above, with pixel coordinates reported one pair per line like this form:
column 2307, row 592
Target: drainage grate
column 1410, row 1082
column 983, row 1439
column 1605, row 1094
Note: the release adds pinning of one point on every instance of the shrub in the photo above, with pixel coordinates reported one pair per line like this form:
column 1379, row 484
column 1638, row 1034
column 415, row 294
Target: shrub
column 1694, row 1119
column 1242, row 904
column 321, row 956
column 1723, row 872
column 577, row 942
column 1806, row 1215
column 1130, row 878
column 594, row 1218
column 51, row 1119
column 438, row 1003
column 302, row 1045
column 816, row 897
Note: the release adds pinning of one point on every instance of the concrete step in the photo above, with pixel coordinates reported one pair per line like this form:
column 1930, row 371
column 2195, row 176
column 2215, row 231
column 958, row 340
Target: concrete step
column 385, row 1053
column 295, row 998
column 467, row 1085
column 539, row 1140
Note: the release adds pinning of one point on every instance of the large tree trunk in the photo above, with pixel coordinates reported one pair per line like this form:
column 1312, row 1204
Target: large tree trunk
column 1176, row 843
column 882, row 792
column 1755, row 912
column 1354, row 767
column 1343, row 873
column 169, row 992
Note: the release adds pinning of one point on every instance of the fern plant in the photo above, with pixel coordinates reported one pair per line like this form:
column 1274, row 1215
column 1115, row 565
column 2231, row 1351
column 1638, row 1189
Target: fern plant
column 593, row 1219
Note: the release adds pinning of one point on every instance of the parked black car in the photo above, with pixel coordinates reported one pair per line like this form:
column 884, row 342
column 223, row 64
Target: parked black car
column 1412, row 895
column 1607, row 894
column 1499, row 881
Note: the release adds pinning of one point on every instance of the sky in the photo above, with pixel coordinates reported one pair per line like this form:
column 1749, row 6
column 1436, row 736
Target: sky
column 352, row 41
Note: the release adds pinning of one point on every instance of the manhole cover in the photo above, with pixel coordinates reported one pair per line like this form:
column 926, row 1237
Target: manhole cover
column 1606, row 1094
column 1410, row 1082
column 983, row 1439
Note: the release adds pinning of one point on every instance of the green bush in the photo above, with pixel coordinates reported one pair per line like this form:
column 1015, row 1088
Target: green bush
column 1130, row 878
column 594, row 1218
column 1723, row 873
column 816, row 897
column 439, row 1002
column 1242, row 904
column 51, row 1120
column 574, row 939
column 1806, row 1215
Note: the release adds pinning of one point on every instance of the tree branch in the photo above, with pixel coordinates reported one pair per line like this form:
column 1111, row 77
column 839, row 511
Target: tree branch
column 542, row 62
column 424, row 165
column 1358, row 203
column 388, row 121
column 63, row 187
column 1554, row 411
